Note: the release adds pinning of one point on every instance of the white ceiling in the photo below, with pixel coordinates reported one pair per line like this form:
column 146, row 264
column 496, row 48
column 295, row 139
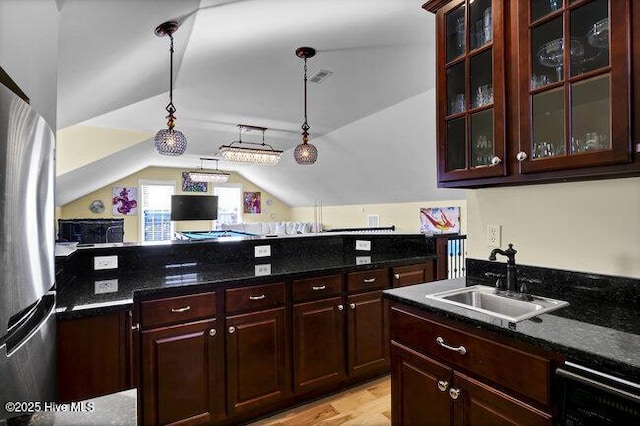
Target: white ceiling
column 235, row 63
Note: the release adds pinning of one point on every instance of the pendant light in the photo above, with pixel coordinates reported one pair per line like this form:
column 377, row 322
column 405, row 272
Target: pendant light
column 305, row 153
column 241, row 151
column 202, row 175
column 170, row 141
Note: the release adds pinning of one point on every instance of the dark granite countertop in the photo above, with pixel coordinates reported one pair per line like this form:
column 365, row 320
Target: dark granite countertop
column 101, row 293
column 583, row 332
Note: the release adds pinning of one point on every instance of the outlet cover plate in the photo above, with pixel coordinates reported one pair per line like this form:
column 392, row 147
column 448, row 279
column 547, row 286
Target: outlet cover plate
column 363, row 245
column 263, row 251
column 105, row 262
column 494, row 236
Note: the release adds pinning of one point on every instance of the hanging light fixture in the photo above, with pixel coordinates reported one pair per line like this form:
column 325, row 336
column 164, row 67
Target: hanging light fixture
column 305, row 153
column 241, row 152
column 202, row 175
column 170, row 141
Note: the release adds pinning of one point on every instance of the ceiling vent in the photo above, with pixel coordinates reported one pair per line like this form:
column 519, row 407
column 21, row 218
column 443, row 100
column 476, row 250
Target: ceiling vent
column 320, row 76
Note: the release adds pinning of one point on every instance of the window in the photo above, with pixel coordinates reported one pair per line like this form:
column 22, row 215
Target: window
column 155, row 220
column 229, row 203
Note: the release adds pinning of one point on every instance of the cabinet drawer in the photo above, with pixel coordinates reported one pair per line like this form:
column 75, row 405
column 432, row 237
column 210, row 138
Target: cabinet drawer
column 412, row 274
column 312, row 288
column 368, row 280
column 172, row 310
column 512, row 368
column 254, row 297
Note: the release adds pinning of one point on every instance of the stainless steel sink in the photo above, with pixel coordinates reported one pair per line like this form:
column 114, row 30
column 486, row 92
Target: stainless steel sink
column 484, row 299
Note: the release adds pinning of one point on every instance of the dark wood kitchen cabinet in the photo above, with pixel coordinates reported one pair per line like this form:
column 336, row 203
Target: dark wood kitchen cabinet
column 182, row 374
column 535, row 91
column 258, row 360
column 93, row 356
column 318, row 344
column 414, row 274
column 447, row 373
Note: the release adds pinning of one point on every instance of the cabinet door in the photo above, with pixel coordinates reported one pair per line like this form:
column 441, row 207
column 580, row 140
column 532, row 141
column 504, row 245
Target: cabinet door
column 412, row 274
column 257, row 361
column 182, row 378
column 367, row 334
column 471, row 89
column 574, row 83
column 419, row 389
column 479, row 404
column 318, row 344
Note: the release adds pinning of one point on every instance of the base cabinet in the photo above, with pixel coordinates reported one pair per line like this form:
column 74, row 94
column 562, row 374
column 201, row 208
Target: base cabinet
column 257, row 361
column 367, row 334
column 318, row 344
column 441, row 384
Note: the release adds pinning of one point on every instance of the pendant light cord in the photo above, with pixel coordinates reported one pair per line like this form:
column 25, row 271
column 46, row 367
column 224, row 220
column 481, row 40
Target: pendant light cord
column 305, row 125
column 171, row 109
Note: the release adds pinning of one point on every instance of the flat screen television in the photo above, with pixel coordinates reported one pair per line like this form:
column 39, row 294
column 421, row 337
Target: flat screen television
column 194, row 207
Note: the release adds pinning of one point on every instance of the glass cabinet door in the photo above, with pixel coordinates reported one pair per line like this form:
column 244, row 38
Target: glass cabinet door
column 577, row 84
column 471, row 124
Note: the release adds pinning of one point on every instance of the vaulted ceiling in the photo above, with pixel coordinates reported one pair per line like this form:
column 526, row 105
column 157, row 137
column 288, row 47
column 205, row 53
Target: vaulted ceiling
column 372, row 119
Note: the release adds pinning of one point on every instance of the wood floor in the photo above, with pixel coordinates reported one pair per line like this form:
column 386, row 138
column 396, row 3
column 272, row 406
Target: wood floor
column 367, row 404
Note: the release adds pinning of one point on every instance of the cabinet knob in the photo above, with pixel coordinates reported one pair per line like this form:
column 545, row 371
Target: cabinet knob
column 340, row 307
column 232, row 329
column 212, row 332
column 352, row 305
column 396, row 276
column 443, row 385
column 496, row 160
column 521, row 156
column 135, row 327
column 454, row 393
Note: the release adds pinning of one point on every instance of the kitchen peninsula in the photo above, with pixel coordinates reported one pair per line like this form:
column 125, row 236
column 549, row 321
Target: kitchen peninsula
column 247, row 325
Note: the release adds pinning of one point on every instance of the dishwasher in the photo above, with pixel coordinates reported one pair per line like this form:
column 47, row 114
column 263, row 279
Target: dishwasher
column 589, row 397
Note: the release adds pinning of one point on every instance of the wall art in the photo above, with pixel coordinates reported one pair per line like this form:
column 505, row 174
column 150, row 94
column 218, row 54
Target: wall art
column 125, row 200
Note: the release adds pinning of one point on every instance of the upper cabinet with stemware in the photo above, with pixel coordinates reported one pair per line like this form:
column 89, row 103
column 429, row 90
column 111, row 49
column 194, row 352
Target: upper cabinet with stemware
column 533, row 91
column 470, row 77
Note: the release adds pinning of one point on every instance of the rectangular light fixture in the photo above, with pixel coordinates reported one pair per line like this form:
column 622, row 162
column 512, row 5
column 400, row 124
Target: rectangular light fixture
column 215, row 176
column 258, row 154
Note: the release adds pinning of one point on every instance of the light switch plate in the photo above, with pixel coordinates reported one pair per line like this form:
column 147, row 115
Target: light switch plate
column 263, row 251
column 494, row 235
column 105, row 262
column 363, row 245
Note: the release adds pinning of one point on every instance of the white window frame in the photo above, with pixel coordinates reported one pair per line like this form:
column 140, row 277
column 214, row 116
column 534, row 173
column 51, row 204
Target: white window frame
column 141, row 183
column 240, row 201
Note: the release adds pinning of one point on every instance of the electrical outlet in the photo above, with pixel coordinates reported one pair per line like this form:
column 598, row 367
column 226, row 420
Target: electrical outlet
column 105, row 286
column 263, row 251
column 105, row 262
column 493, row 235
column 363, row 260
column 262, row 270
column 363, row 245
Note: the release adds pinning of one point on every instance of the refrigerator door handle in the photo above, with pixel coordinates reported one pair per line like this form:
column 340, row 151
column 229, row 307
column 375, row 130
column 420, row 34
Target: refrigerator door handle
column 27, row 329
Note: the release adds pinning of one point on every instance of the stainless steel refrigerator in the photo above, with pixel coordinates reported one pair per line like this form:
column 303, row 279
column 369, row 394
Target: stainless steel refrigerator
column 27, row 299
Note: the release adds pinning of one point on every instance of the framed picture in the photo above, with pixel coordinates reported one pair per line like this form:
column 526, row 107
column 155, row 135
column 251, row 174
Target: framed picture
column 190, row 186
column 125, row 200
column 252, row 202
column 440, row 220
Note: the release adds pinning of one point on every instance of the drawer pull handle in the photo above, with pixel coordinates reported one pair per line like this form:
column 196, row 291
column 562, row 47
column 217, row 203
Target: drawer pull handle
column 318, row 287
column 340, row 307
column 369, row 280
column 460, row 349
column 443, row 385
column 396, row 276
column 454, row 393
column 178, row 310
column 262, row 296
column 352, row 305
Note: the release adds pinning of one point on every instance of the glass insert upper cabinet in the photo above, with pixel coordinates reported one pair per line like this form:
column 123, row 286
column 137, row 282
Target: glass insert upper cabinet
column 471, row 104
column 574, row 83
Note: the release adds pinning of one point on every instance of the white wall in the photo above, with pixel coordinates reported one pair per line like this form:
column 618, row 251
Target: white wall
column 584, row 226
column 29, row 51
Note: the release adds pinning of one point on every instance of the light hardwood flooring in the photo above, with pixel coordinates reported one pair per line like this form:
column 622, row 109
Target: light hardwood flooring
column 367, row 404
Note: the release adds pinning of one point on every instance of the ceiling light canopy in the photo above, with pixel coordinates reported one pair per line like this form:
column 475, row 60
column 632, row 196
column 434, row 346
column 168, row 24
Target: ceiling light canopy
column 305, row 153
column 215, row 176
column 170, row 141
column 241, row 151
